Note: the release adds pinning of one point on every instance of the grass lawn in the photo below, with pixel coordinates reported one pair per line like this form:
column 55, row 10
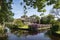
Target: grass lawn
column 25, row 26
column 58, row 32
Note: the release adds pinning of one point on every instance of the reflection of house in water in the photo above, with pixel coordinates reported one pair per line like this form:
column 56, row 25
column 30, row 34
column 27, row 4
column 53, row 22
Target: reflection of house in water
column 28, row 20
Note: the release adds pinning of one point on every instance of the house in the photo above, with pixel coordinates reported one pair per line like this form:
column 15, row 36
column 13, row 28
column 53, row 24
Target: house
column 28, row 20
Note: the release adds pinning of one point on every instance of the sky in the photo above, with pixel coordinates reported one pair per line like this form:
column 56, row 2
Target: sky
column 18, row 10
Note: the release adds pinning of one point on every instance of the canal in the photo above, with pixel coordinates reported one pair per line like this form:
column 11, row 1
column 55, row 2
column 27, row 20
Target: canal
column 28, row 35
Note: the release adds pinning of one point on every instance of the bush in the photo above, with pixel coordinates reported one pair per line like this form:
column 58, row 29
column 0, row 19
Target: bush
column 1, row 30
column 55, row 27
column 19, row 23
column 12, row 26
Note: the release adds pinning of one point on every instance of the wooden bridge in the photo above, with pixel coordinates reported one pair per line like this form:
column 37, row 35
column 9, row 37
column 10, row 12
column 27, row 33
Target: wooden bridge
column 34, row 25
column 41, row 26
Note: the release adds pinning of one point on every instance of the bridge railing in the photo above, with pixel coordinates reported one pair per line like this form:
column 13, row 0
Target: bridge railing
column 44, row 25
column 41, row 25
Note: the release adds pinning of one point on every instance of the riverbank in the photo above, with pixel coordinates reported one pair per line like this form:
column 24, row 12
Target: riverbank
column 53, row 33
column 56, row 34
column 2, row 35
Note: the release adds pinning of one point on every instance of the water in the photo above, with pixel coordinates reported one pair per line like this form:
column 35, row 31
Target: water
column 29, row 35
column 8, row 30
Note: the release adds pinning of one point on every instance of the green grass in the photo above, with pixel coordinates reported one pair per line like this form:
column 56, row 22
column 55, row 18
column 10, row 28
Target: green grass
column 58, row 32
column 24, row 26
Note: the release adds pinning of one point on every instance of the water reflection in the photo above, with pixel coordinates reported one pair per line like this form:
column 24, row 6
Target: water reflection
column 54, row 37
column 3, row 37
column 28, row 35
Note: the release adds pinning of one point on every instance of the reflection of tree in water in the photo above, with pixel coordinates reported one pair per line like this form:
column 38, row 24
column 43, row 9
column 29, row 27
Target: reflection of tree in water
column 24, row 33
column 52, row 37
column 33, row 32
column 3, row 35
column 20, row 33
column 4, row 38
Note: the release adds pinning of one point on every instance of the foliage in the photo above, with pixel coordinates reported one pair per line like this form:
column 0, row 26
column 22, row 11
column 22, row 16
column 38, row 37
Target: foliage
column 24, row 16
column 55, row 27
column 19, row 23
column 43, row 20
column 52, row 21
column 36, row 4
column 41, row 14
column 58, row 19
column 47, row 19
column 11, row 26
column 1, row 29
column 40, row 4
column 5, row 11
column 35, row 17
column 55, row 12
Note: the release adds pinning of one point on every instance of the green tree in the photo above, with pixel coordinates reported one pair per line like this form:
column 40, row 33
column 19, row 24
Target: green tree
column 36, row 17
column 55, row 12
column 47, row 19
column 58, row 19
column 19, row 23
column 40, row 4
column 50, row 17
column 43, row 20
column 5, row 11
column 56, row 26
column 41, row 14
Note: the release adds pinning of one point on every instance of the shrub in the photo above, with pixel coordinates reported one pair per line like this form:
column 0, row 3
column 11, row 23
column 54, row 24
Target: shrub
column 1, row 30
column 19, row 23
column 55, row 27
column 12, row 26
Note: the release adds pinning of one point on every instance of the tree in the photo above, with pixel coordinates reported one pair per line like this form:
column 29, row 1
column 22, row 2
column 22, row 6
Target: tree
column 40, row 4
column 36, row 17
column 55, row 12
column 5, row 11
column 24, row 16
column 19, row 23
column 47, row 19
column 43, row 20
column 41, row 14
column 58, row 19
column 50, row 17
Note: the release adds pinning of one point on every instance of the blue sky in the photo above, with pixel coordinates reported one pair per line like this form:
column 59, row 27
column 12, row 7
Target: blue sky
column 18, row 9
